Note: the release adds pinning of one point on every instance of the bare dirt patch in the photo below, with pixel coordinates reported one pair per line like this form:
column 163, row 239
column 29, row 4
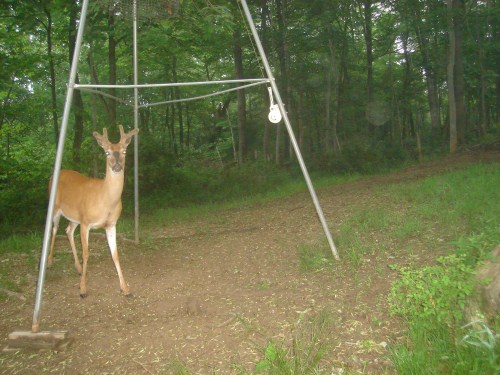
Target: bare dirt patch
column 209, row 294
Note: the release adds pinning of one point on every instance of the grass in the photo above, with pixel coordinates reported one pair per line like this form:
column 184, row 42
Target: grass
column 463, row 207
column 437, row 350
column 466, row 205
column 315, row 257
column 19, row 244
column 303, row 354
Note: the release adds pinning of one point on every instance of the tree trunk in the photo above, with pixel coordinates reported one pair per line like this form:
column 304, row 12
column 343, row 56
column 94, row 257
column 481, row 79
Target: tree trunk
column 328, row 122
column 451, row 80
column 406, row 110
column 241, row 114
column 77, row 96
column 458, row 25
column 282, row 56
column 188, row 121
column 93, row 107
column 170, row 121
column 94, row 78
column 429, row 72
column 55, row 122
column 5, row 102
column 300, row 121
column 267, row 125
column 112, row 64
column 418, row 127
column 178, row 105
column 332, row 82
column 367, row 13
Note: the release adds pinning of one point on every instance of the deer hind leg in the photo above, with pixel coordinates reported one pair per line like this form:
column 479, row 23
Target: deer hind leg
column 84, row 234
column 55, row 226
column 70, row 231
column 111, row 236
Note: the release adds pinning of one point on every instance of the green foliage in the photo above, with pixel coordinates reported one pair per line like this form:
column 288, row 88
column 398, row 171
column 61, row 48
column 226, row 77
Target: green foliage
column 354, row 238
column 433, row 293
column 21, row 244
column 432, row 298
column 437, row 350
column 24, row 178
column 194, row 183
column 178, row 367
column 467, row 200
column 364, row 156
column 480, row 336
column 314, row 258
column 304, row 354
column 477, row 247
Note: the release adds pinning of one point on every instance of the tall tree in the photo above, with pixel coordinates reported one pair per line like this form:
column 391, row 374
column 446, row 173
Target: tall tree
column 367, row 12
column 48, row 25
column 458, row 12
column 265, row 44
column 282, row 49
column 178, row 105
column 451, row 80
column 112, row 45
column 238, row 73
column 424, row 41
column 77, row 96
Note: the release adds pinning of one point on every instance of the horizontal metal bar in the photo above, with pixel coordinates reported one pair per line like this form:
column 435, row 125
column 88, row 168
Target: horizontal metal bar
column 172, row 84
column 129, row 103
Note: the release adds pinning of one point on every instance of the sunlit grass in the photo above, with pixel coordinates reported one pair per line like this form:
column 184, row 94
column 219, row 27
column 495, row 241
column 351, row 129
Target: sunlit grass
column 314, row 257
column 466, row 199
column 21, row 243
column 303, row 355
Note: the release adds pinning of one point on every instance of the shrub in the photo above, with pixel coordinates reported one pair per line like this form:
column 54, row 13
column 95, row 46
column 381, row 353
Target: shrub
column 433, row 293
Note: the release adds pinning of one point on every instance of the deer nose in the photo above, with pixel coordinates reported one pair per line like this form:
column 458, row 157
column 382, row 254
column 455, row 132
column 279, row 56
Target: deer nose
column 117, row 167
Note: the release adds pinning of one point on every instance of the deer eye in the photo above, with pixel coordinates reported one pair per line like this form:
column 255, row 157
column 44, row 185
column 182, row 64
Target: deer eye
column 124, row 152
column 108, row 153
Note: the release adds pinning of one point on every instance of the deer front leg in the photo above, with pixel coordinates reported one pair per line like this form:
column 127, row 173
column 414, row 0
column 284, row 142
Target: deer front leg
column 70, row 231
column 55, row 225
column 111, row 236
column 84, row 234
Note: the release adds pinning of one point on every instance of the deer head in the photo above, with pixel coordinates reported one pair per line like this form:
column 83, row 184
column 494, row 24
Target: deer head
column 115, row 152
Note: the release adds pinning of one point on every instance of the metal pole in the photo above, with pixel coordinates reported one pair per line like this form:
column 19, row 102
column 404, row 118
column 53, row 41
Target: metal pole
column 171, row 84
column 57, row 169
column 136, row 125
column 289, row 129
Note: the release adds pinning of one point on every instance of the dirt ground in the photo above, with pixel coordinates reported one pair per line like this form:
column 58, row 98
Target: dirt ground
column 211, row 293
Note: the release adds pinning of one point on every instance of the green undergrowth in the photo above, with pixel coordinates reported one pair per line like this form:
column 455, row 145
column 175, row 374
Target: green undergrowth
column 432, row 298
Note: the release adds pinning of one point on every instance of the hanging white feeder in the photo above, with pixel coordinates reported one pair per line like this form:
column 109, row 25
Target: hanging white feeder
column 274, row 111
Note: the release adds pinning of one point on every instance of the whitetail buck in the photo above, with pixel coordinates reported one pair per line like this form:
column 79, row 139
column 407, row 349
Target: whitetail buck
column 93, row 203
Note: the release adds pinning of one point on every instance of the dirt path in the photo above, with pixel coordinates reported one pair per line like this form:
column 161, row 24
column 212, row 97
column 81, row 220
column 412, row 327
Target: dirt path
column 211, row 293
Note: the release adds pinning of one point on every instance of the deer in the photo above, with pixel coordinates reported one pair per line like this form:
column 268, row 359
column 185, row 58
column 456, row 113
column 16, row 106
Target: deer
column 93, row 203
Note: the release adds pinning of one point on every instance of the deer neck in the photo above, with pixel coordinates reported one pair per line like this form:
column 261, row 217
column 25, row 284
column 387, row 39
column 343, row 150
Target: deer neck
column 113, row 184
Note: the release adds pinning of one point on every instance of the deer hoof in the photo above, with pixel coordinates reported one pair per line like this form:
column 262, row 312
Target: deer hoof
column 129, row 295
column 83, row 295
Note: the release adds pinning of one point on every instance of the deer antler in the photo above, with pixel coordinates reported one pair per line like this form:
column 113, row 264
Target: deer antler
column 126, row 137
column 102, row 139
column 122, row 133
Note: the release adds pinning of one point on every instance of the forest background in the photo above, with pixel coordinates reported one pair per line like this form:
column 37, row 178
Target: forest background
column 368, row 85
